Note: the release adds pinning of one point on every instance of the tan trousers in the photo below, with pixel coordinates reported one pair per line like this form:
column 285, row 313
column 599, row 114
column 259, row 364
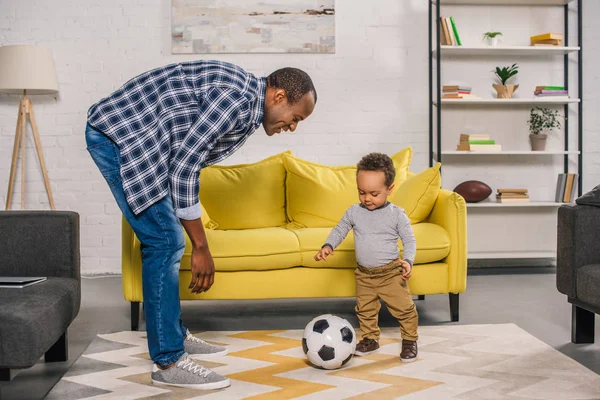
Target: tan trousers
column 384, row 283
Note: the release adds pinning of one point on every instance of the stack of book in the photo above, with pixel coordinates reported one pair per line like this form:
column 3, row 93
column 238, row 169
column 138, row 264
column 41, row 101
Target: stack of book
column 547, row 39
column 565, row 188
column 448, row 32
column 551, row 91
column 512, row 196
column 477, row 142
column 458, row 91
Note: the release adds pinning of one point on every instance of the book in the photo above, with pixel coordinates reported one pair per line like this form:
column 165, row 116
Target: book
column 19, row 282
column 502, row 200
column 538, row 88
column 560, row 188
column 546, row 36
column 444, row 32
column 479, row 147
column 458, row 42
column 568, row 188
column 519, row 190
column 482, row 141
column 551, row 93
column 474, row 136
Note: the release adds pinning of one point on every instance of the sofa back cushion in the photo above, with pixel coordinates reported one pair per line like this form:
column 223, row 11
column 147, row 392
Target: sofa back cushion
column 417, row 194
column 318, row 195
column 245, row 196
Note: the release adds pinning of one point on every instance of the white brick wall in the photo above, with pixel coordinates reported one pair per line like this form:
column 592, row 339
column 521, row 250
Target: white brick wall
column 372, row 94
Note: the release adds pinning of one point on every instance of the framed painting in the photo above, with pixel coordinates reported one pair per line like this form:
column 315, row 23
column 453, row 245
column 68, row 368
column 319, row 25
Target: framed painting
column 251, row 26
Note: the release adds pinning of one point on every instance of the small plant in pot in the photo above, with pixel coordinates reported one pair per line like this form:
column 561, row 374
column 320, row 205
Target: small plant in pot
column 541, row 122
column 503, row 90
column 491, row 38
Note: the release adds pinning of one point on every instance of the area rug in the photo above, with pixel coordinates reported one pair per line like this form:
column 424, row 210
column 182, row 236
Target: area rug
column 455, row 362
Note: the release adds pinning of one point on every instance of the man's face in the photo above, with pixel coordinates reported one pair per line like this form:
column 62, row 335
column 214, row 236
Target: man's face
column 282, row 116
column 372, row 190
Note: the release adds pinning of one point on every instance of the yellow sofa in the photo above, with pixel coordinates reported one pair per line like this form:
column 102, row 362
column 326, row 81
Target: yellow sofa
column 265, row 221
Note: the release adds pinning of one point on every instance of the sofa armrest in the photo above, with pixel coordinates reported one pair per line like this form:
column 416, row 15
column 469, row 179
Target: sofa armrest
column 131, row 264
column 450, row 212
column 577, row 244
column 39, row 243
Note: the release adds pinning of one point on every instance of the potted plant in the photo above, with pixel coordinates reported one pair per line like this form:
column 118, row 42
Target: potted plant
column 491, row 38
column 541, row 121
column 504, row 74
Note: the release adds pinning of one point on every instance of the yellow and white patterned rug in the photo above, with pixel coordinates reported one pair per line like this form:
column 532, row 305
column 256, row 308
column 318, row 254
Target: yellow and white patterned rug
column 455, row 362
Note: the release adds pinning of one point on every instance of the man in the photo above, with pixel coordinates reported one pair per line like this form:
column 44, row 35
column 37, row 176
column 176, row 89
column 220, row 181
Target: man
column 150, row 139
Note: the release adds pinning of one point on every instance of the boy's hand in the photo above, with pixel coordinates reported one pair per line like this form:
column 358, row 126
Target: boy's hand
column 323, row 253
column 406, row 269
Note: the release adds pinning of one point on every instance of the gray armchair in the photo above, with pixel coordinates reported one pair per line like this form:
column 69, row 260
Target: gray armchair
column 34, row 320
column 578, row 262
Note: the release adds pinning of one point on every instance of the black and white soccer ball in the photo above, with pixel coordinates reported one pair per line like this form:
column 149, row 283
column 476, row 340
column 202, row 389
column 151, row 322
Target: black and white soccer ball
column 329, row 341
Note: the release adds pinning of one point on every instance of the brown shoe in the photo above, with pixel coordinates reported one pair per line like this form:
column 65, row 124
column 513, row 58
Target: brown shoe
column 366, row 346
column 409, row 351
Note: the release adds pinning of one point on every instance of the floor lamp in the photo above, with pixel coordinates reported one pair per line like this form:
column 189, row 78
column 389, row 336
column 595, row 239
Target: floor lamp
column 26, row 70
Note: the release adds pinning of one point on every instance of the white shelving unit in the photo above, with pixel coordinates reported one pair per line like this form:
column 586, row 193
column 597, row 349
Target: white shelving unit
column 514, row 221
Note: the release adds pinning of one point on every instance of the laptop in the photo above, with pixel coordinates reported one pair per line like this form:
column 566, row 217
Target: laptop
column 20, row 281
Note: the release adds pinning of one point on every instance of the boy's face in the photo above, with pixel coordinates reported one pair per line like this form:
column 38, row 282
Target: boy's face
column 372, row 191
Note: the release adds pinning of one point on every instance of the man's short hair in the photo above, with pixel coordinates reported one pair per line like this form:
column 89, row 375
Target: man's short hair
column 378, row 162
column 294, row 81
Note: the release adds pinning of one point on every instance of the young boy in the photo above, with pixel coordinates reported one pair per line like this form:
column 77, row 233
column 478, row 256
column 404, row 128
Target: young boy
column 377, row 226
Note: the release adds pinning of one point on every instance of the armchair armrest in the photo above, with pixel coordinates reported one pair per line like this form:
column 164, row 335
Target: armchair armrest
column 39, row 243
column 578, row 244
column 450, row 212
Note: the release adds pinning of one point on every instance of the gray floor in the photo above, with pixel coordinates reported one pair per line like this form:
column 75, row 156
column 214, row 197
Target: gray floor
column 526, row 297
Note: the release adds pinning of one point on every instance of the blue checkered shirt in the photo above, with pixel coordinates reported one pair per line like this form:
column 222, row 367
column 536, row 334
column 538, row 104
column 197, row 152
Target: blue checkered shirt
column 172, row 121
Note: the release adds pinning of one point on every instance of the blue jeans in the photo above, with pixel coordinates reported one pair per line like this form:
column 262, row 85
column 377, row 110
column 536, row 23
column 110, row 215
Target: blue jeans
column 162, row 243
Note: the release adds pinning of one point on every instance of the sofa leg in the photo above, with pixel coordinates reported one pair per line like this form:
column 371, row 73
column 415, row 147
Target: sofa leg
column 6, row 375
column 453, row 307
column 421, row 297
column 135, row 315
column 59, row 350
column 582, row 325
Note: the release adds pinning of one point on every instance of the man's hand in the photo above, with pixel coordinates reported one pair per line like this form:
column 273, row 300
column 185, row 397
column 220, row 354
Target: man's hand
column 406, row 269
column 203, row 266
column 203, row 271
column 323, row 253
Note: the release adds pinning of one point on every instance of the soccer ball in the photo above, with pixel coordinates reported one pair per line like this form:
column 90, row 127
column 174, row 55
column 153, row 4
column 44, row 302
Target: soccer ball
column 329, row 341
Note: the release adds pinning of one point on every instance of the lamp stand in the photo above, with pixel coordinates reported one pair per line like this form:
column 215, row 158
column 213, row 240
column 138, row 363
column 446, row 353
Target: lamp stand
column 26, row 109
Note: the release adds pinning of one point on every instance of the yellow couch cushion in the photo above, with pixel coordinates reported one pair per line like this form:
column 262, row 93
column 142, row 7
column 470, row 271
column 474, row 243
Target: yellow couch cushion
column 433, row 244
column 249, row 249
column 318, row 195
column 206, row 221
column 417, row 194
column 245, row 196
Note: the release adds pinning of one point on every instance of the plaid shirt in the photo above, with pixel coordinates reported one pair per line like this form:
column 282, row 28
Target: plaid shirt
column 172, row 121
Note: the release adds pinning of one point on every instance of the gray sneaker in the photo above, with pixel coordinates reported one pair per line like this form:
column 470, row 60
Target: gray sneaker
column 187, row 373
column 197, row 347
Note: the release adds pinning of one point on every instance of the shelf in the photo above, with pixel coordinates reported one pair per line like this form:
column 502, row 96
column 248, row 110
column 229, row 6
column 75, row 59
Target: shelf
column 506, row 101
column 507, row 2
column 504, row 50
column 493, row 204
column 506, row 153
column 513, row 254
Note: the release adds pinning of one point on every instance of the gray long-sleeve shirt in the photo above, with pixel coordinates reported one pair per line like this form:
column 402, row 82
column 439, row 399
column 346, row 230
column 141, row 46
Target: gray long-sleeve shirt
column 376, row 234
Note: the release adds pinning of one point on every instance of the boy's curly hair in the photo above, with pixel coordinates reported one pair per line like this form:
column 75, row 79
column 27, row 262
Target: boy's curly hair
column 378, row 162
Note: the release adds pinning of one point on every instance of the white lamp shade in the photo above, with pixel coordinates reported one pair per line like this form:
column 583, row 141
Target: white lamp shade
column 28, row 68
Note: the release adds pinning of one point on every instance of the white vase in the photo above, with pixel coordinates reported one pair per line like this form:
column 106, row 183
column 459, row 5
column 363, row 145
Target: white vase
column 492, row 41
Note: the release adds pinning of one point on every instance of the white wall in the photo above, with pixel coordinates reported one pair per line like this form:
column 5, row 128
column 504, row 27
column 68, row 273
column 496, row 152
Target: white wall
column 372, row 94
